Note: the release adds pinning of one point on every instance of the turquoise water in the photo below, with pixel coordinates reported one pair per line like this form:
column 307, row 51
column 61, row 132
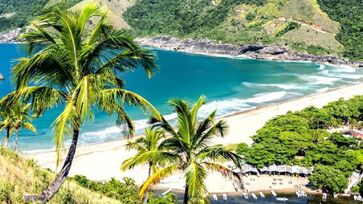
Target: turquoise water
column 231, row 85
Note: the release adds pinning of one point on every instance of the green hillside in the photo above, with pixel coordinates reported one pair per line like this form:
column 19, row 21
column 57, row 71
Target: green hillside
column 19, row 176
column 18, row 13
column 313, row 26
column 298, row 24
column 350, row 15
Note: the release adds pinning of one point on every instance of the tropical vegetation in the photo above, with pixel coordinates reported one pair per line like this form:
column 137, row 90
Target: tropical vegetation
column 74, row 64
column 310, row 138
column 187, row 150
column 19, row 13
column 349, row 15
column 14, row 119
column 144, row 146
column 19, row 175
column 285, row 22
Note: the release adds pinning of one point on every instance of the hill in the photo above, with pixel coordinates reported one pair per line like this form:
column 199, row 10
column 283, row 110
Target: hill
column 299, row 24
column 17, row 14
column 19, row 175
column 116, row 8
column 314, row 26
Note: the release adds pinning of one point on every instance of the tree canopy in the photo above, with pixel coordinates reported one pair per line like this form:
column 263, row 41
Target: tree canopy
column 302, row 138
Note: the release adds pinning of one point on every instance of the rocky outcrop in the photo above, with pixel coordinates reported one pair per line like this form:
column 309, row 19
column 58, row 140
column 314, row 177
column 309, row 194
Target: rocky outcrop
column 10, row 36
column 209, row 47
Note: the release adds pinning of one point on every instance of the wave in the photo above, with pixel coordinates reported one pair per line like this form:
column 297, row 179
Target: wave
column 281, row 86
column 322, row 67
column 223, row 107
column 315, row 80
column 323, row 90
column 345, row 76
column 265, row 97
column 343, row 68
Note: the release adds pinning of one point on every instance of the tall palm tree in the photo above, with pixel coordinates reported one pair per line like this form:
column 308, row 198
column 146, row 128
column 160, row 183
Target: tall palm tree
column 19, row 116
column 145, row 146
column 76, row 64
column 190, row 151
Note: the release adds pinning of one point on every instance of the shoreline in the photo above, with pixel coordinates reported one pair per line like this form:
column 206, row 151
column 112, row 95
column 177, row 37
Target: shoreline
column 90, row 159
column 259, row 52
column 218, row 49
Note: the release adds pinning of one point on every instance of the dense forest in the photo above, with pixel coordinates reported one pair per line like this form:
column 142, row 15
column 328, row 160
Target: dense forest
column 350, row 15
column 17, row 14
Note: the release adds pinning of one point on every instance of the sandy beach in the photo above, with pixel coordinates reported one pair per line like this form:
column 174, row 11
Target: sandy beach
column 102, row 161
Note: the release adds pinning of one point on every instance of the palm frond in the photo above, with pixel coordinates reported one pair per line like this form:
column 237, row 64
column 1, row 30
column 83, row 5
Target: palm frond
column 64, row 125
column 224, row 171
column 157, row 177
column 195, row 178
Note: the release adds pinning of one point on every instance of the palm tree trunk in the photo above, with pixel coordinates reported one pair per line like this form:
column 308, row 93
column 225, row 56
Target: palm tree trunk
column 6, row 140
column 186, row 196
column 147, row 191
column 53, row 188
column 16, row 138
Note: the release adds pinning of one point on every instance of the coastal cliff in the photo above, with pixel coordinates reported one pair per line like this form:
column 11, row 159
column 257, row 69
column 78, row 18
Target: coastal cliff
column 208, row 47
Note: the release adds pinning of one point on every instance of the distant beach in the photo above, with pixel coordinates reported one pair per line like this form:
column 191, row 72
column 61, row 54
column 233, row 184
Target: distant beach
column 107, row 157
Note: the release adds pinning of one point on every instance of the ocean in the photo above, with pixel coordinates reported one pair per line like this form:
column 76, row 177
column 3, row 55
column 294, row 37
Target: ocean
column 230, row 85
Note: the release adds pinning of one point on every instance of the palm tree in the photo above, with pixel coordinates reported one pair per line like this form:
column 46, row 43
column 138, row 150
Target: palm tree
column 7, row 124
column 77, row 65
column 189, row 151
column 145, row 146
column 16, row 118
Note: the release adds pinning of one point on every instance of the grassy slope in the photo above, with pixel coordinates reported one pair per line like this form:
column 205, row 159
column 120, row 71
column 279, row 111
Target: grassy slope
column 316, row 27
column 245, row 23
column 115, row 10
column 19, row 175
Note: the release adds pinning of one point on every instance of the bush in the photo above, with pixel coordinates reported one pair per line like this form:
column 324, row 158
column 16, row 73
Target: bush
column 5, row 191
column 316, row 50
column 290, row 26
column 250, row 16
column 125, row 191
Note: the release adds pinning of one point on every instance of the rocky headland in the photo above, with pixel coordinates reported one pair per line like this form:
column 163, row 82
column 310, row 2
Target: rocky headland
column 270, row 52
column 10, row 36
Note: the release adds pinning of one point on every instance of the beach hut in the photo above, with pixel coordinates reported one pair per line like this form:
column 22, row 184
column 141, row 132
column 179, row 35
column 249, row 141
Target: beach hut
column 264, row 170
column 295, row 170
column 303, row 171
column 248, row 169
column 282, row 169
column 273, row 169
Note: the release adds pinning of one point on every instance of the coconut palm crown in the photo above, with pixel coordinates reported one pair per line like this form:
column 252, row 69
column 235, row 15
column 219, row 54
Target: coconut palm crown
column 14, row 119
column 144, row 147
column 189, row 150
column 75, row 64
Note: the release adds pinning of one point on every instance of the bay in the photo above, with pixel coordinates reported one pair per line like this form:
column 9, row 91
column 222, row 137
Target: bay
column 230, row 85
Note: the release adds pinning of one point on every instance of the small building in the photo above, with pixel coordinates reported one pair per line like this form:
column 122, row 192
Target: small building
column 264, row 170
column 248, row 169
column 273, row 169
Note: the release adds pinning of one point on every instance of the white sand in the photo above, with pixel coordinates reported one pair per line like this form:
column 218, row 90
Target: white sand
column 102, row 161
